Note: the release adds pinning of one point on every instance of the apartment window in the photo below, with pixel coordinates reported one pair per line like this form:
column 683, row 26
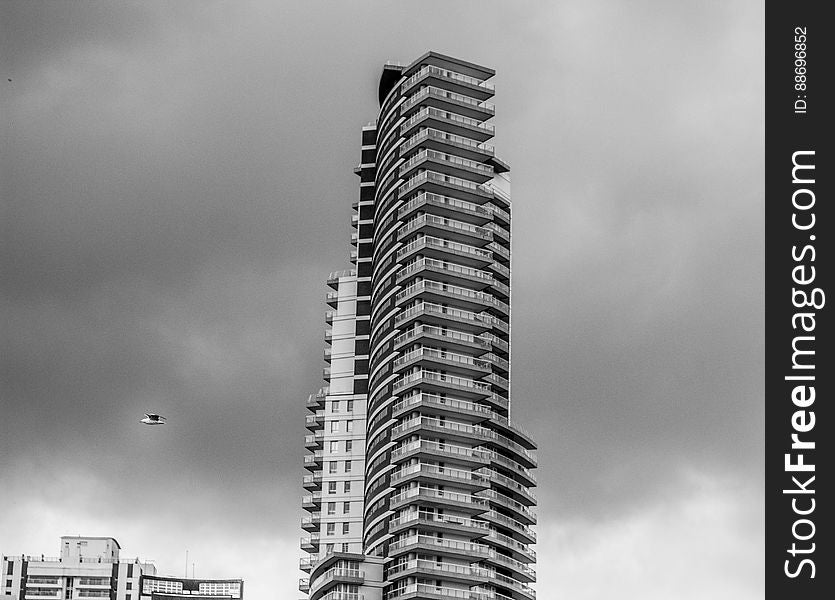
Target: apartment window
column 346, row 508
column 347, row 487
column 335, row 406
column 349, row 426
column 330, row 529
column 130, row 570
column 129, row 585
column 331, row 487
column 332, row 467
column 347, row 466
column 334, row 447
column 346, row 528
column 349, row 445
column 331, row 508
column 328, row 548
column 345, row 547
column 10, row 568
column 334, row 426
column 350, row 405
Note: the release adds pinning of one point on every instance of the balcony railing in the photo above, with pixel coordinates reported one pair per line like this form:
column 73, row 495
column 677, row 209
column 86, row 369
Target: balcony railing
column 447, row 180
column 428, row 469
column 428, row 492
column 424, row 351
column 444, row 244
column 446, row 74
column 442, row 378
column 447, row 138
column 430, row 90
column 441, row 447
column 447, row 289
column 439, row 200
column 450, row 334
column 434, row 399
column 443, row 265
column 451, row 159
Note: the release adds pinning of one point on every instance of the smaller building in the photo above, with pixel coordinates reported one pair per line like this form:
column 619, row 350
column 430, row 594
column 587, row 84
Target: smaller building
column 87, row 567
column 176, row 588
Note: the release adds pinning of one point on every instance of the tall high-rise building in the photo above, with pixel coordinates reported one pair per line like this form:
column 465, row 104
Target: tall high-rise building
column 419, row 484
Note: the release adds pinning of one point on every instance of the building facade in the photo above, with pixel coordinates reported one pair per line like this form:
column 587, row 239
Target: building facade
column 177, row 588
column 87, row 567
column 419, row 484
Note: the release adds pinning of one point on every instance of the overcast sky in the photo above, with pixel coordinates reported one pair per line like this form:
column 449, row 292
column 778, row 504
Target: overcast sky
column 176, row 186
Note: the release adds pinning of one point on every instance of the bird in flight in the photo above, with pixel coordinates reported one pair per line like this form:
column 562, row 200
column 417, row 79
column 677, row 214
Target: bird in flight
column 152, row 419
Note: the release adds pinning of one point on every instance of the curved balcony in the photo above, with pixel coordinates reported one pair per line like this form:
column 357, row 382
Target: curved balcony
column 519, row 529
column 438, row 183
column 522, row 570
column 526, row 515
column 442, row 383
column 431, row 569
column 448, row 164
column 448, row 121
column 451, row 362
column 433, row 404
column 445, row 206
column 450, row 338
column 436, row 247
column 446, row 100
column 517, row 589
column 446, row 272
column 518, row 550
column 467, row 503
column 434, row 474
column 464, row 431
column 427, row 543
column 451, row 80
column 468, row 298
column 450, row 229
column 435, row 139
column 333, row 576
column 511, row 465
column 432, row 521
column 432, row 449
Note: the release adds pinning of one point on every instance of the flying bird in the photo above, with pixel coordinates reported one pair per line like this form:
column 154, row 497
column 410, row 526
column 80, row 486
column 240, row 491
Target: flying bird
column 152, row 419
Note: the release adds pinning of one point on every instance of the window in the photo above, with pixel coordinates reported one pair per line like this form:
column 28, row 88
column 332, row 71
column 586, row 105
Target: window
column 346, row 528
column 330, row 528
column 10, row 568
column 129, row 585
column 335, row 406
column 350, row 405
column 347, row 466
column 349, row 426
column 346, row 508
column 334, row 426
column 349, row 445
column 334, row 447
column 332, row 467
column 331, row 508
column 345, row 547
column 328, row 548
column 331, row 487
column 347, row 487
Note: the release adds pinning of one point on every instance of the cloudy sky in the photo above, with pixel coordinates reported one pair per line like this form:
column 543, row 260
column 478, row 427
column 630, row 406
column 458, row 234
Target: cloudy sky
column 176, row 186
